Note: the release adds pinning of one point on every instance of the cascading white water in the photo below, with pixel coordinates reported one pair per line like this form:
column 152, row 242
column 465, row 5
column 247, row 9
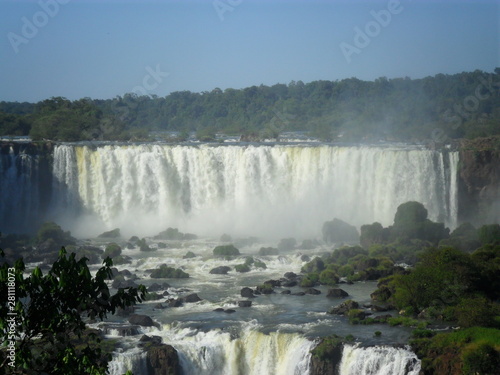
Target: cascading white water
column 218, row 352
column 378, row 360
column 19, row 191
column 265, row 190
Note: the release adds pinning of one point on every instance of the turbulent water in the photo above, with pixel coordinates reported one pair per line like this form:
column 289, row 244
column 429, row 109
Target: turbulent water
column 266, row 190
column 379, row 360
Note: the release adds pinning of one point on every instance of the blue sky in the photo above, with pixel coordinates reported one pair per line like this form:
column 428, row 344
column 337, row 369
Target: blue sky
column 101, row 49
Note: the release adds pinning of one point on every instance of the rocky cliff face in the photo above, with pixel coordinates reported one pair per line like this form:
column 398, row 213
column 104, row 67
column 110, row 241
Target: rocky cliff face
column 163, row 360
column 479, row 180
column 327, row 360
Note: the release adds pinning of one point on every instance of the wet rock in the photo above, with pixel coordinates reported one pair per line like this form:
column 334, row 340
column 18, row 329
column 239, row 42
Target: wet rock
column 377, row 308
column 162, row 360
column 286, row 291
column 191, row 298
column 174, row 302
column 337, row 293
column 290, row 275
column 221, row 270
column 289, row 283
column 142, row 320
column 219, row 309
column 244, row 303
column 156, row 340
column 229, row 311
column 344, row 308
column 313, row 291
column 247, row 293
column 298, row 294
column 123, row 330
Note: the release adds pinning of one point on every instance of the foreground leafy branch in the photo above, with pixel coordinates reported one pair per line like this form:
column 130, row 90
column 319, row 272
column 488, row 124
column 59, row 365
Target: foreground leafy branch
column 42, row 316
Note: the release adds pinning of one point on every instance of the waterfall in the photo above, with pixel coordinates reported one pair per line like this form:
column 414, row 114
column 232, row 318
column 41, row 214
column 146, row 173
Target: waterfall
column 19, row 189
column 378, row 360
column 246, row 351
column 269, row 190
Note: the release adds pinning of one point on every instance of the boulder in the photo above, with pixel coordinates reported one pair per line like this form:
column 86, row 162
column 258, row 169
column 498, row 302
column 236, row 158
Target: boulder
column 156, row 340
column 191, row 298
column 337, row 231
column 298, row 294
column 115, row 233
column 229, row 311
column 313, row 291
column 290, row 275
column 247, row 293
column 337, row 293
column 344, row 308
column 286, row 291
column 142, row 320
column 174, row 302
column 162, row 360
column 244, row 303
column 221, row 270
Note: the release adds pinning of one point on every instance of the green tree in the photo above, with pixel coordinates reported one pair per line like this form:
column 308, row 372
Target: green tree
column 49, row 312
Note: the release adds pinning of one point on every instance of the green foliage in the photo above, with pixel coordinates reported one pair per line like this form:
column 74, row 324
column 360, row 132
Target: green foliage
column 166, row 272
column 411, row 221
column 310, row 280
column 475, row 311
column 346, row 254
column 480, row 359
column 466, row 351
column 325, row 350
column 315, row 265
column 489, row 234
column 226, row 251
column 328, row 277
column 323, row 108
column 372, row 234
column 52, row 231
column 242, row 268
column 49, row 313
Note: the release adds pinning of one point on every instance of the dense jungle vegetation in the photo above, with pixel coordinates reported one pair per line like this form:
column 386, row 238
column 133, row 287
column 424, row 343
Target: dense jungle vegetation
column 439, row 108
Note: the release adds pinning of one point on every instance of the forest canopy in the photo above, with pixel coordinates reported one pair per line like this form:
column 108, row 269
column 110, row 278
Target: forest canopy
column 439, row 109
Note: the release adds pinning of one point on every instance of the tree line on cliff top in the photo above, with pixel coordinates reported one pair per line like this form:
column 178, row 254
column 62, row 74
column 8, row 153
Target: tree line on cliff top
column 439, row 108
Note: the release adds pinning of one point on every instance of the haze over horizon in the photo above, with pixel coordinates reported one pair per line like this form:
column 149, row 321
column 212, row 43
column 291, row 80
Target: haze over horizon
column 85, row 48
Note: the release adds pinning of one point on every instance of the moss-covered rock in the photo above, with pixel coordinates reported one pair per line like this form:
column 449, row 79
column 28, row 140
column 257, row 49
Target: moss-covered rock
column 166, row 272
column 226, row 251
column 112, row 250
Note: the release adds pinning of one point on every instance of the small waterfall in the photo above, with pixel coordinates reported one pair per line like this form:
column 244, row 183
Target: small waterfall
column 245, row 352
column 273, row 190
column 378, row 360
column 133, row 360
